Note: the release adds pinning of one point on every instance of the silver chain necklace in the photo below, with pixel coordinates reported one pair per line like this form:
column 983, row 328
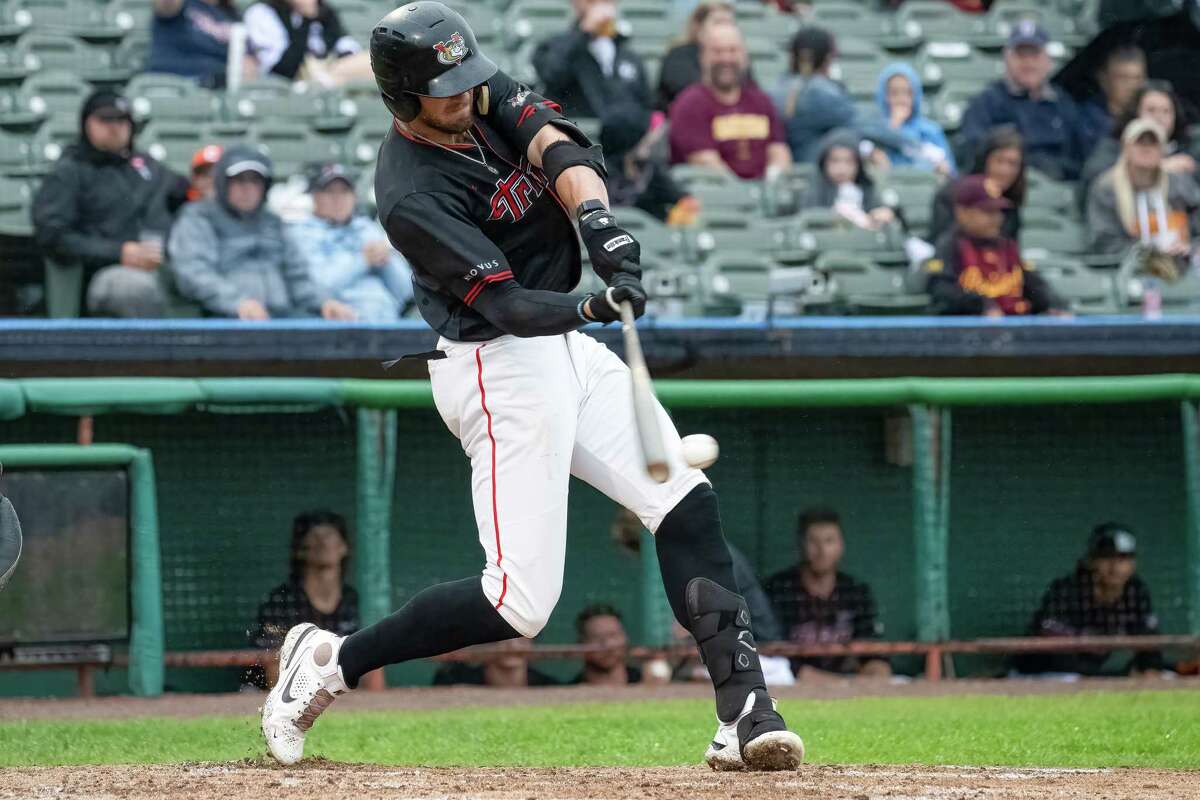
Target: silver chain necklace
column 481, row 161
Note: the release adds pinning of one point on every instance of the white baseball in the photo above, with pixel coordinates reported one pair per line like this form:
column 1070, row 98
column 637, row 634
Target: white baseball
column 700, row 450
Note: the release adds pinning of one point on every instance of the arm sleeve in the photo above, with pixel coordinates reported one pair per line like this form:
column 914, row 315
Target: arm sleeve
column 194, row 253
column 56, row 222
column 446, row 248
column 554, row 60
column 304, row 291
column 518, row 113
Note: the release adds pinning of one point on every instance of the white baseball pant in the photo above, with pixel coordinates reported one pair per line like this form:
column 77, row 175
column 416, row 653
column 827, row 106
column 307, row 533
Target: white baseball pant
column 530, row 413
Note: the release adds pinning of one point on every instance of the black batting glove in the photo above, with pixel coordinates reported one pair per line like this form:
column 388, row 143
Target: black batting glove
column 606, row 307
column 610, row 247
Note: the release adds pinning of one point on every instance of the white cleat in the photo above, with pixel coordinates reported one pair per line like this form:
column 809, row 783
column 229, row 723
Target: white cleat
column 309, row 680
column 772, row 748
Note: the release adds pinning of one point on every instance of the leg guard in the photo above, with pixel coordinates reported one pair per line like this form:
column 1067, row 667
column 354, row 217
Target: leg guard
column 720, row 623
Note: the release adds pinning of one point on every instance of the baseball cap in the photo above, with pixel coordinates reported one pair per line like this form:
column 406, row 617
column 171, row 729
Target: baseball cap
column 247, row 165
column 327, row 174
column 1112, row 539
column 1027, row 33
column 206, row 156
column 107, row 105
column 974, row 191
column 1139, row 127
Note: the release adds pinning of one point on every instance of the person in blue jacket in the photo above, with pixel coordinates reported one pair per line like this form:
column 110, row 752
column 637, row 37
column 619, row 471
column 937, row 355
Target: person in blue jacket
column 922, row 142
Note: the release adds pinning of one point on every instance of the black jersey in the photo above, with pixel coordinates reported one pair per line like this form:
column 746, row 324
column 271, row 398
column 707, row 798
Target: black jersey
column 464, row 226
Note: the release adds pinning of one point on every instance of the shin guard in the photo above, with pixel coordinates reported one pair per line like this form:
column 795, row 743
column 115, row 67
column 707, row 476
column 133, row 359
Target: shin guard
column 720, row 622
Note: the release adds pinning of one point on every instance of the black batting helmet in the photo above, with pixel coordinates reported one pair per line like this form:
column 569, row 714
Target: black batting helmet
column 425, row 48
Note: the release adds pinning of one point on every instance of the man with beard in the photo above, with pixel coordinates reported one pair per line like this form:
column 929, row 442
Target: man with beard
column 726, row 122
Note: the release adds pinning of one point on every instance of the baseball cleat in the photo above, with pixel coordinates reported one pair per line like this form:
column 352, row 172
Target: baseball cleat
column 309, row 680
column 757, row 740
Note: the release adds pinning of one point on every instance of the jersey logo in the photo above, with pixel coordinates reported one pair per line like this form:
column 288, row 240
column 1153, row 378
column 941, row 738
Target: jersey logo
column 515, row 194
column 519, row 98
column 452, row 51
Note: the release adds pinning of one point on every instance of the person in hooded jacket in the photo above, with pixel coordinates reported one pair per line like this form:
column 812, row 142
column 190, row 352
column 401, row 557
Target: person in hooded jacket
column 108, row 206
column 842, row 184
column 234, row 257
column 922, row 142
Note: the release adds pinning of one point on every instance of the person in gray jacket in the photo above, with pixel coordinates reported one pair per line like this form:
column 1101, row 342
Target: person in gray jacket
column 232, row 255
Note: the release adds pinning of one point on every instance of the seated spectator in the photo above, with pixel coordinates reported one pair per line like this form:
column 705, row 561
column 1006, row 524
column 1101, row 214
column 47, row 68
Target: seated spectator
column 601, row 625
column 634, row 153
column 1120, row 78
column 810, row 102
column 315, row 590
column 1000, row 161
column 591, row 67
column 680, row 67
column 842, row 184
column 348, row 253
column 1156, row 100
column 108, row 206
column 233, row 257
column 508, row 670
column 726, row 122
column 976, row 269
column 818, row 604
column 922, row 141
column 1102, row 597
column 191, row 38
column 203, row 161
column 304, row 40
column 1139, row 202
column 1046, row 116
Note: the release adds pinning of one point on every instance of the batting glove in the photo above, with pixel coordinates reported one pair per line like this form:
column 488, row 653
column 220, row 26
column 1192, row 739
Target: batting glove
column 610, row 247
column 606, row 307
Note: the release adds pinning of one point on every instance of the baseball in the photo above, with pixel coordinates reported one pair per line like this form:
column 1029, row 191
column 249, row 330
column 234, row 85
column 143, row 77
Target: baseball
column 700, row 450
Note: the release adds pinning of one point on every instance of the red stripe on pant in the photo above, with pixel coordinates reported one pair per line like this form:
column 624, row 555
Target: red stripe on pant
column 495, row 508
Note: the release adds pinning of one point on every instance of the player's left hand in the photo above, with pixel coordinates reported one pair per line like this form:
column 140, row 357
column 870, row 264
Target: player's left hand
column 606, row 307
column 610, row 247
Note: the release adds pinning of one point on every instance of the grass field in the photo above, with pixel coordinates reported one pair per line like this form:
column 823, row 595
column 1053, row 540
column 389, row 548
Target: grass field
column 1086, row 730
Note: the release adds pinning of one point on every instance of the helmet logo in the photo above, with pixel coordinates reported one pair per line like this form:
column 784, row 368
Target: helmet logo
column 451, row 51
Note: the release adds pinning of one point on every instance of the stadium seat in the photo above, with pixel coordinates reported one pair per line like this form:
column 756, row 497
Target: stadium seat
column 292, row 147
column 57, row 51
column 16, row 199
column 656, row 238
column 1044, row 193
column 53, row 137
column 1087, row 291
column 951, row 103
column 170, row 97
column 719, row 191
column 848, row 20
column 130, row 55
column 365, row 187
column 736, row 232
column 1182, row 295
column 534, row 20
column 16, row 153
column 362, row 146
column 781, row 194
column 14, row 67
column 939, row 61
column 485, row 22
column 910, row 191
column 1051, row 233
column 993, row 29
column 768, row 60
column 41, row 95
column 358, row 18
column 127, row 16
column 919, row 21
column 858, row 65
column 86, row 19
column 821, row 230
column 858, row 284
column 172, row 142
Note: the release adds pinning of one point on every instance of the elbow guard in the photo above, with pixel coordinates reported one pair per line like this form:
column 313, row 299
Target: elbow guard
column 561, row 156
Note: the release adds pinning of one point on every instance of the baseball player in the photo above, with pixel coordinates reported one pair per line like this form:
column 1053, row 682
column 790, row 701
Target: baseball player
column 482, row 184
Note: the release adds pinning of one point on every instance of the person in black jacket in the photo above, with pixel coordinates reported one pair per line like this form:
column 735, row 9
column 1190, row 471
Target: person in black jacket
column 1000, row 160
column 107, row 206
column 304, row 38
column 591, row 66
column 976, row 269
column 635, row 156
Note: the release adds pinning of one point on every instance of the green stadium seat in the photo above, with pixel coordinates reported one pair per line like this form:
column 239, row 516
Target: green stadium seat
column 848, row 20
column 994, row 28
column 16, row 200
column 14, row 67
column 781, row 193
column 820, row 230
column 41, row 95
column 657, row 239
column 170, row 97
column 1044, row 193
column 1051, row 233
column 1088, row 291
column 771, row 25
column 859, row 285
column 858, row 65
column 362, row 146
column 919, row 21
column 485, row 22
column 637, row 10
column 57, row 51
column 768, row 60
column 949, row 105
column 358, row 18
column 534, row 20
column 86, row 19
column 1181, row 296
column 53, row 137
column 939, row 61
column 737, row 232
column 128, row 16
column 16, row 154
column 718, row 191
column 911, row 191
column 130, row 55
column 172, row 142
column 365, row 187
column 293, row 147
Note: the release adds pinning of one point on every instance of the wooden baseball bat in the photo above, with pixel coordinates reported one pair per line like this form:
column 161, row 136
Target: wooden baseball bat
column 644, row 404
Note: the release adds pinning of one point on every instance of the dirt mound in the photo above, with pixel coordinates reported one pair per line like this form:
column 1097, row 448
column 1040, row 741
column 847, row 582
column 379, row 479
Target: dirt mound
column 324, row 780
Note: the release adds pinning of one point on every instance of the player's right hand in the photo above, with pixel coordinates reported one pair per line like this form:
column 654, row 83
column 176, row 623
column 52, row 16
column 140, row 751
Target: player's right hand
column 606, row 307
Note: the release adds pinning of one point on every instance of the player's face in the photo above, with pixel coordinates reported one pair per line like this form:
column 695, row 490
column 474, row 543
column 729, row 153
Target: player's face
column 448, row 114
column 1114, row 572
column 324, row 547
column 823, row 547
column 609, row 632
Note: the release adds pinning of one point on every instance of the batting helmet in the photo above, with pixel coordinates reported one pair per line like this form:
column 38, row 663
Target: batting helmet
column 425, row 49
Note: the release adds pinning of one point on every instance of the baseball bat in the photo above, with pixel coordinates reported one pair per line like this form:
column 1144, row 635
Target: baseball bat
column 645, row 411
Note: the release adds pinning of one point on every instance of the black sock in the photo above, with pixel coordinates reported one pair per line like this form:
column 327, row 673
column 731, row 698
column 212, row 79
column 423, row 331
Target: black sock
column 438, row 620
column 690, row 545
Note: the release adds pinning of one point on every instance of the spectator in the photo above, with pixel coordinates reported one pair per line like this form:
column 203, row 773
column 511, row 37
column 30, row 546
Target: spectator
column 232, row 255
column 315, row 590
column 1000, row 161
column 601, row 625
column 818, row 604
column 1103, row 597
column 976, row 269
column 1156, row 100
column 191, row 38
column 842, row 184
column 1138, row 202
column 203, row 161
column 107, row 206
column 348, row 254
column 1046, row 116
column 680, row 67
column 923, row 143
column 304, row 39
column 507, row 670
column 810, row 102
column 726, row 122
column 1123, row 74
column 592, row 67
column 635, row 155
